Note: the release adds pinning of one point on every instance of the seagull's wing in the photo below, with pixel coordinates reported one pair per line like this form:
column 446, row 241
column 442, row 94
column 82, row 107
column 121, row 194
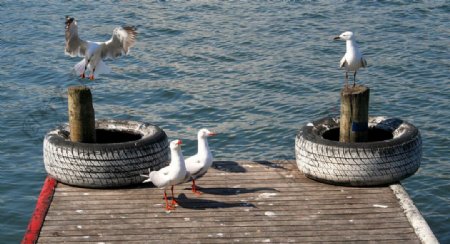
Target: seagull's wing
column 193, row 165
column 160, row 178
column 343, row 62
column 122, row 40
column 75, row 46
column 363, row 62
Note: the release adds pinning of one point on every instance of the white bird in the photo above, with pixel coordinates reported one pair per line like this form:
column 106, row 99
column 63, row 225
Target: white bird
column 353, row 58
column 198, row 164
column 171, row 175
column 94, row 53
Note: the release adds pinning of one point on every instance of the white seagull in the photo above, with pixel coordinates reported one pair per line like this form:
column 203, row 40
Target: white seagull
column 198, row 164
column 353, row 58
column 171, row 175
column 94, row 53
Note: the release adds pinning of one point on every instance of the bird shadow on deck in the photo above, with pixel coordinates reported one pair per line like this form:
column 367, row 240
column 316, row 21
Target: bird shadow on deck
column 202, row 204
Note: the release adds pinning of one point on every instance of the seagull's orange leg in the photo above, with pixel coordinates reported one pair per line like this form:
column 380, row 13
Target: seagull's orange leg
column 84, row 71
column 194, row 188
column 174, row 202
column 168, row 207
column 91, row 77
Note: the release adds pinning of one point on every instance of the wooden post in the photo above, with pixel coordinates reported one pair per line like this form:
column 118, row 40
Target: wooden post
column 81, row 115
column 354, row 114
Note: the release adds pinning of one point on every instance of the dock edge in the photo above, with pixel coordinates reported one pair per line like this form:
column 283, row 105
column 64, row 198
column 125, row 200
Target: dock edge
column 37, row 218
column 415, row 218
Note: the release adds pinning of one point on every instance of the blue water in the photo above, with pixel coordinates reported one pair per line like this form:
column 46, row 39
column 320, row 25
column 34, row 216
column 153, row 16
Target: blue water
column 253, row 71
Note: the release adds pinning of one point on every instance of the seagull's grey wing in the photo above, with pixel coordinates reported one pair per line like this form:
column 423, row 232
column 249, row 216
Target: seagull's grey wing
column 74, row 45
column 122, row 40
column 363, row 62
column 187, row 178
column 193, row 165
column 343, row 62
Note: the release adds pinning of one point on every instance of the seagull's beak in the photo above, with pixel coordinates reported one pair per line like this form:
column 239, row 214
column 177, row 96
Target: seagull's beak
column 337, row 38
column 212, row 133
column 179, row 142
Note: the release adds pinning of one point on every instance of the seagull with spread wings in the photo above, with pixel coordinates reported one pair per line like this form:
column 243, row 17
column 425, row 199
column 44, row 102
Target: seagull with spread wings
column 123, row 38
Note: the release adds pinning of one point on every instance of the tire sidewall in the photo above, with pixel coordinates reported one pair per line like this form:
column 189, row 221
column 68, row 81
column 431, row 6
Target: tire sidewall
column 361, row 163
column 105, row 165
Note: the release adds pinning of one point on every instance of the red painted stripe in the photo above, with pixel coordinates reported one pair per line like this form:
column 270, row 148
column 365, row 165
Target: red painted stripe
column 42, row 205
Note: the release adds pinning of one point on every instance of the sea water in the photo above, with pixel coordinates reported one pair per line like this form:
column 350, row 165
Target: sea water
column 253, row 71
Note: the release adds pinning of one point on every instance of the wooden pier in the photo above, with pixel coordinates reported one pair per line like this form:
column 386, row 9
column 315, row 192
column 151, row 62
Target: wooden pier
column 242, row 202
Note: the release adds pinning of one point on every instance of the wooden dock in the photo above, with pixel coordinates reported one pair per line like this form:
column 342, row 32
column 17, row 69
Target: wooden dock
column 242, row 202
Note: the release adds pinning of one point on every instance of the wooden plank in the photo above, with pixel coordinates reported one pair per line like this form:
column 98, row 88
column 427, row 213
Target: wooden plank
column 91, row 230
column 242, row 202
column 276, row 237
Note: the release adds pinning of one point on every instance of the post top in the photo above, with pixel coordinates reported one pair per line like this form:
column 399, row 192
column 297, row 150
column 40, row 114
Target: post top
column 79, row 88
column 358, row 89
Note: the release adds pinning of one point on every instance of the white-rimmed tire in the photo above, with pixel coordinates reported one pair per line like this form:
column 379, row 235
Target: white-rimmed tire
column 124, row 150
column 392, row 154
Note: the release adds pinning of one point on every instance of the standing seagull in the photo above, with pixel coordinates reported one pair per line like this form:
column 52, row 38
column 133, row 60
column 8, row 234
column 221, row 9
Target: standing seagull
column 122, row 40
column 171, row 175
column 353, row 58
column 198, row 164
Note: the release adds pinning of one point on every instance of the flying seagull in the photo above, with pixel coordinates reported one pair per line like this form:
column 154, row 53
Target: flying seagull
column 123, row 38
column 353, row 58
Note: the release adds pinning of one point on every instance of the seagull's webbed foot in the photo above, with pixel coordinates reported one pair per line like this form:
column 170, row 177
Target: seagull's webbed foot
column 168, row 206
column 91, row 77
column 174, row 203
column 83, row 76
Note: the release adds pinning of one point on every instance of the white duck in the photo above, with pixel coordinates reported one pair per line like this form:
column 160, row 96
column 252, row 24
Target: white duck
column 198, row 164
column 353, row 58
column 94, row 53
column 171, row 175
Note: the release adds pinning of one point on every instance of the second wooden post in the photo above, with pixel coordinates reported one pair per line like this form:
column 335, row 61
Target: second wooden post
column 354, row 114
column 81, row 115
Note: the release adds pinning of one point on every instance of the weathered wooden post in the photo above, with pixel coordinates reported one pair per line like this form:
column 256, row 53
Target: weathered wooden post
column 81, row 114
column 354, row 114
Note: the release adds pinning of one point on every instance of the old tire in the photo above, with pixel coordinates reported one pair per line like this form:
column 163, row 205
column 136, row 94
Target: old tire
column 124, row 150
column 393, row 153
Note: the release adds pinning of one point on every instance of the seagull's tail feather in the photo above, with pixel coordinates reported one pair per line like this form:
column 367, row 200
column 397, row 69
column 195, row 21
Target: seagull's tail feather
column 79, row 67
column 148, row 176
column 101, row 68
